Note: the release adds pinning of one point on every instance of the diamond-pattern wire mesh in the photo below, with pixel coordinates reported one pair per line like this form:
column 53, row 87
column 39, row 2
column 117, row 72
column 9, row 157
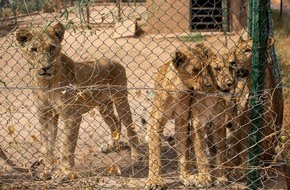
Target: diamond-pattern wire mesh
column 208, row 124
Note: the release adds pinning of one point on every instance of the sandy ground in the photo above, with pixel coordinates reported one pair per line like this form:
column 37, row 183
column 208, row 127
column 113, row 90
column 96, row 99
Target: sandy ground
column 141, row 57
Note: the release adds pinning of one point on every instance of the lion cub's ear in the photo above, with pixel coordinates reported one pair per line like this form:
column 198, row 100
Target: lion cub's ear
column 178, row 59
column 209, row 52
column 241, row 40
column 56, row 30
column 23, row 35
column 203, row 49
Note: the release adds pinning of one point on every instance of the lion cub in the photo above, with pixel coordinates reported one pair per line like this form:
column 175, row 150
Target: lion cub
column 69, row 89
column 176, row 97
column 241, row 58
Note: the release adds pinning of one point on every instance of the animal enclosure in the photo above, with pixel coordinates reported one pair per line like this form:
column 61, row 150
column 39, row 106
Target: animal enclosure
column 91, row 98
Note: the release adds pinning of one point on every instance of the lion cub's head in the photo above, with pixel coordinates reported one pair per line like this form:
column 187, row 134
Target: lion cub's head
column 223, row 72
column 192, row 67
column 241, row 56
column 201, row 69
column 42, row 48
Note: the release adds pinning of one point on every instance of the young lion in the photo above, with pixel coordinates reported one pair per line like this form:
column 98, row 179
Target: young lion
column 241, row 57
column 194, row 69
column 208, row 113
column 69, row 89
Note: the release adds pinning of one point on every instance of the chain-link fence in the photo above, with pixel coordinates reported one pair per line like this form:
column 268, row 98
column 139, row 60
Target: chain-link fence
column 134, row 94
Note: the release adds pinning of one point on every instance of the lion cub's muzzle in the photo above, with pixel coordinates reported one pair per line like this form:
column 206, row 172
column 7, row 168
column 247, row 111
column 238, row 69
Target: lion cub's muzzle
column 225, row 90
column 226, row 87
column 242, row 73
column 46, row 72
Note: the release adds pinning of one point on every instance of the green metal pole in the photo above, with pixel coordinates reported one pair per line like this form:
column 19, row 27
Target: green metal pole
column 260, row 36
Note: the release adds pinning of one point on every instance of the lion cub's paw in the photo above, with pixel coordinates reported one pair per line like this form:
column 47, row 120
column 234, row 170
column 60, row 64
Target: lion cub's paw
column 109, row 147
column 221, row 181
column 188, row 180
column 155, row 184
column 41, row 171
column 137, row 155
column 203, row 180
column 44, row 175
column 64, row 176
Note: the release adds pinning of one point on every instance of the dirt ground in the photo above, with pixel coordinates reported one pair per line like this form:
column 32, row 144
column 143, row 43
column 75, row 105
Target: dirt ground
column 141, row 57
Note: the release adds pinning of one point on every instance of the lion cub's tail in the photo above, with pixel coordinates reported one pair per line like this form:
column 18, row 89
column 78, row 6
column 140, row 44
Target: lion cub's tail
column 10, row 163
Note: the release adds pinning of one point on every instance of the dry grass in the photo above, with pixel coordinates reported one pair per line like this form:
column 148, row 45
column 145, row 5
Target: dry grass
column 282, row 44
column 282, row 31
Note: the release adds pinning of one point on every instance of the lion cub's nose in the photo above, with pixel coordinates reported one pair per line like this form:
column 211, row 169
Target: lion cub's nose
column 229, row 83
column 45, row 69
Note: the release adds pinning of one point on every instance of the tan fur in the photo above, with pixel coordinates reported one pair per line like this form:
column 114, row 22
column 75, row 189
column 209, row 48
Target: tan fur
column 190, row 70
column 242, row 58
column 209, row 134
column 69, row 89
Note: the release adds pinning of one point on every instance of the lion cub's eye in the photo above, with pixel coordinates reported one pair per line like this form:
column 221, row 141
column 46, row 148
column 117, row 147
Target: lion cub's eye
column 232, row 62
column 34, row 49
column 52, row 48
column 217, row 69
column 248, row 50
column 196, row 70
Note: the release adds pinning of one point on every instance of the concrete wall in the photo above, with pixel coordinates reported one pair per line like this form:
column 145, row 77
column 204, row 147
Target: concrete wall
column 173, row 16
column 238, row 14
column 167, row 16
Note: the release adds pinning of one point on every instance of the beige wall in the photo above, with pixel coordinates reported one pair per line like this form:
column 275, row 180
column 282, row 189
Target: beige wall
column 173, row 16
column 167, row 16
column 238, row 14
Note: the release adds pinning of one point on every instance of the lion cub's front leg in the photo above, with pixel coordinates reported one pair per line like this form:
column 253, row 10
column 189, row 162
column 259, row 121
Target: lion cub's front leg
column 182, row 139
column 219, row 141
column 203, row 178
column 48, row 131
column 157, row 122
column 70, row 136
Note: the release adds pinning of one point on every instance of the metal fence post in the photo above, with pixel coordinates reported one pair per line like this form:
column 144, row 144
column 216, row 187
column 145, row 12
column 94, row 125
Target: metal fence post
column 260, row 35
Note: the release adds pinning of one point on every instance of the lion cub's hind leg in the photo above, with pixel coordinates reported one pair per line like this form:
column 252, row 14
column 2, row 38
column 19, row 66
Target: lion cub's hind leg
column 107, row 112
column 125, row 115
